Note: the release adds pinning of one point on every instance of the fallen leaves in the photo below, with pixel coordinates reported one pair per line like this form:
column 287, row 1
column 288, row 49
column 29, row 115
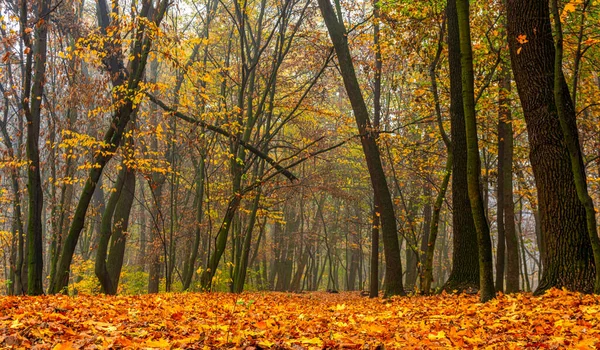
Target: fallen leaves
column 558, row 319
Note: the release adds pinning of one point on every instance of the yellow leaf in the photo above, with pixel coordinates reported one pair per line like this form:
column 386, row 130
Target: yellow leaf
column 374, row 328
column 438, row 336
column 340, row 307
column 473, row 341
column 266, row 343
column 312, row 341
column 160, row 343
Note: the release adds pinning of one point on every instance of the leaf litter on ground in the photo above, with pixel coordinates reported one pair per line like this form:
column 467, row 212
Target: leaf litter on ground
column 317, row 320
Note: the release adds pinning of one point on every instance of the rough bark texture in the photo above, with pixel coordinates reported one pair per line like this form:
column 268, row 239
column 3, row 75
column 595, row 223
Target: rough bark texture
column 567, row 254
column 465, row 268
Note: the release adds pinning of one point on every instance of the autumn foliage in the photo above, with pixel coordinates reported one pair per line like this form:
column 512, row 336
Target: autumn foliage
column 318, row 320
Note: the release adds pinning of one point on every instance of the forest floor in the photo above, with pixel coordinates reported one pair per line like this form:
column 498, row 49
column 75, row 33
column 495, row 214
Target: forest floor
column 318, row 320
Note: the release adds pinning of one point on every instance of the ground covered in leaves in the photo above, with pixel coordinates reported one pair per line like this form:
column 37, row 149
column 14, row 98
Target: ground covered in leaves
column 558, row 319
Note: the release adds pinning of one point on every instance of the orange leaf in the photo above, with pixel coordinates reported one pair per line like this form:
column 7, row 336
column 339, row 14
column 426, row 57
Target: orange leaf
column 64, row 346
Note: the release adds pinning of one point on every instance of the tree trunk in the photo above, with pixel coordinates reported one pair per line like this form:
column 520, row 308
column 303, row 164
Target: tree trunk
column 32, row 105
column 501, row 244
column 190, row 264
column 120, row 231
column 508, row 210
column 486, row 283
column 338, row 35
column 565, row 110
column 566, row 252
column 156, row 238
column 18, row 258
column 465, row 256
column 105, row 234
column 239, row 277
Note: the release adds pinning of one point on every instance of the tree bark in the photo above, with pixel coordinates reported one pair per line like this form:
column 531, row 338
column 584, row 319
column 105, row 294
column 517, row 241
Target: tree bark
column 105, row 234
column 571, row 138
column 35, row 69
column 484, row 243
column 465, row 257
column 566, row 252
column 120, row 223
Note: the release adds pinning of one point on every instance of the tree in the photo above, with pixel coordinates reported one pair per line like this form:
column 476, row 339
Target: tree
column 567, row 259
column 339, row 38
column 374, row 270
column 571, row 139
column 33, row 90
column 465, row 265
column 114, row 225
column 120, row 78
column 427, row 274
column 486, row 283
column 506, row 205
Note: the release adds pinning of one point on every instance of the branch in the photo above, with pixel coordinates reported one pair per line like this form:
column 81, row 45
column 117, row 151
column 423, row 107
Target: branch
column 225, row 133
column 297, row 162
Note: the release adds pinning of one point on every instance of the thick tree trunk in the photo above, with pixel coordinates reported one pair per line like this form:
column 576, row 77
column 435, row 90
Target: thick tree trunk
column 239, row 277
column 566, row 252
column 566, row 116
column 465, row 256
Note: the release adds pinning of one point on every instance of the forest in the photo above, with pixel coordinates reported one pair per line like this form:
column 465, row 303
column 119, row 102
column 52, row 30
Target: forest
column 320, row 171
column 390, row 147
